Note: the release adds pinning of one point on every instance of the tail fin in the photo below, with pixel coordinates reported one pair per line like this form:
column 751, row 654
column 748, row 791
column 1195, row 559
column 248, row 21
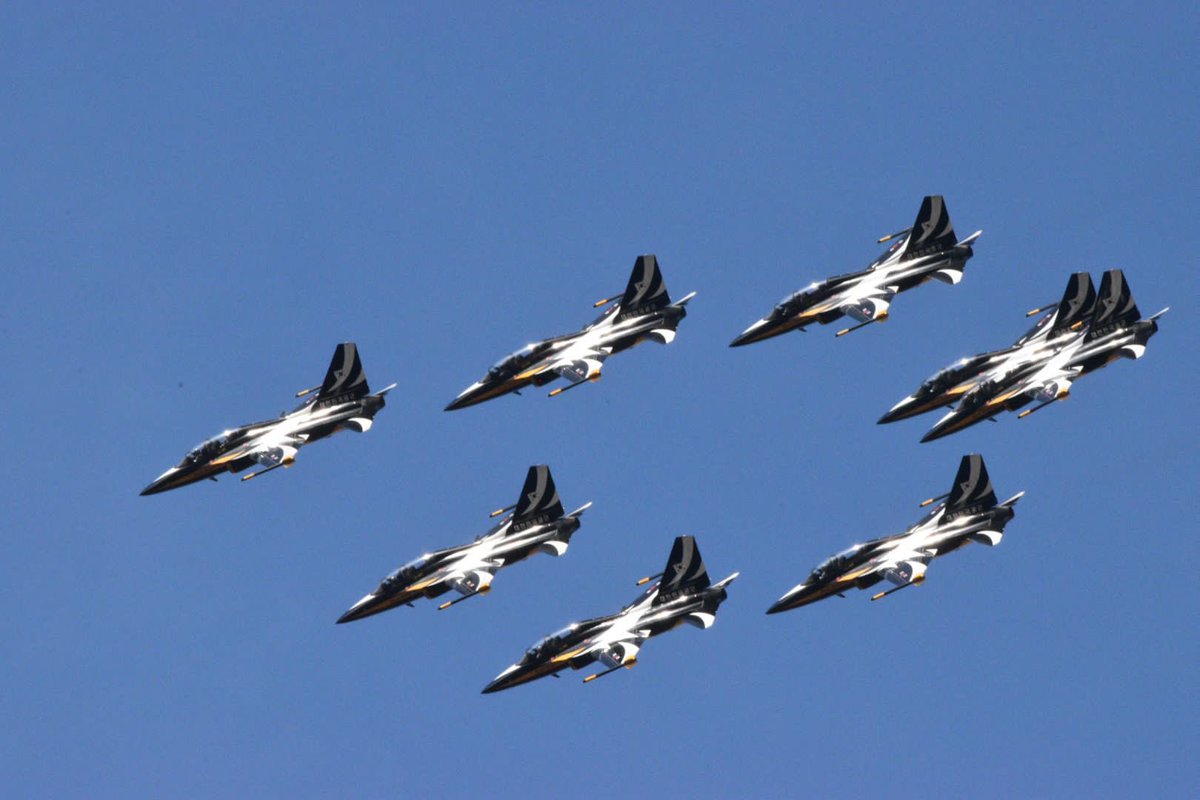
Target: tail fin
column 539, row 501
column 1114, row 305
column 345, row 379
column 685, row 570
column 646, row 291
column 1077, row 304
column 932, row 231
column 972, row 488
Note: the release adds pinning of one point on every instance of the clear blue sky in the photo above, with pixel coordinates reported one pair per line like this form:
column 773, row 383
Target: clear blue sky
column 198, row 203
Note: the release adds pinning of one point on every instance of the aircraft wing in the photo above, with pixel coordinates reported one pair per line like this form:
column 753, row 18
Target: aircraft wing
column 898, row 567
column 868, row 302
column 578, row 364
column 268, row 449
column 611, row 648
column 471, row 576
column 1045, row 385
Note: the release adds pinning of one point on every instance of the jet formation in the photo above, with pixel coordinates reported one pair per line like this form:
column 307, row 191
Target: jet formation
column 343, row 401
column 682, row 594
column 644, row 312
column 536, row 525
column 968, row 513
column 928, row 250
column 1085, row 331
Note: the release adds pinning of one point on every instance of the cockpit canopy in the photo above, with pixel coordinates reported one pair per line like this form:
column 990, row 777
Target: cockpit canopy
column 512, row 361
column 406, row 573
column 950, row 376
column 943, row 379
column 207, row 449
column 835, row 563
column 549, row 642
column 789, row 303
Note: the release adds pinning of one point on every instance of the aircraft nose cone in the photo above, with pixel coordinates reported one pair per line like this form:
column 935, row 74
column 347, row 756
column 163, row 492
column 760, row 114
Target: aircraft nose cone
column 504, row 680
column 363, row 608
column 750, row 335
column 468, row 397
column 793, row 599
column 894, row 414
column 159, row 484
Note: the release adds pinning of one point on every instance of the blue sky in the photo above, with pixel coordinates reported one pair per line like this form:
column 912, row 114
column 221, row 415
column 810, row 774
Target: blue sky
column 200, row 202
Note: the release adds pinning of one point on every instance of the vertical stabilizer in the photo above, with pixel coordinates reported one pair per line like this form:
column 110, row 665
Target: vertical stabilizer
column 345, row 380
column 646, row 290
column 972, row 489
column 685, row 570
column 1077, row 304
column 932, row 232
column 538, row 503
column 1114, row 304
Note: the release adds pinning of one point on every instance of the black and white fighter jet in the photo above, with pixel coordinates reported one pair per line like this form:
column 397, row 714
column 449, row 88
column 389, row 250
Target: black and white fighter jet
column 1055, row 328
column 342, row 402
column 643, row 313
column 928, row 250
column 682, row 594
column 969, row 513
column 536, row 525
column 1115, row 330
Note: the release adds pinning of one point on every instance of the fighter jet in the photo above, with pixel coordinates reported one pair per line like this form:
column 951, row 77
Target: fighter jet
column 682, row 594
column 969, row 513
column 1116, row 330
column 643, row 313
column 536, row 525
column 1055, row 328
column 925, row 251
column 342, row 402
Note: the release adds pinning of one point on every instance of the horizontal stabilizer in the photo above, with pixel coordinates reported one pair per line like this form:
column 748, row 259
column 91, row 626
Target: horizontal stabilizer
column 726, row 581
column 579, row 511
column 990, row 538
column 1012, row 501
